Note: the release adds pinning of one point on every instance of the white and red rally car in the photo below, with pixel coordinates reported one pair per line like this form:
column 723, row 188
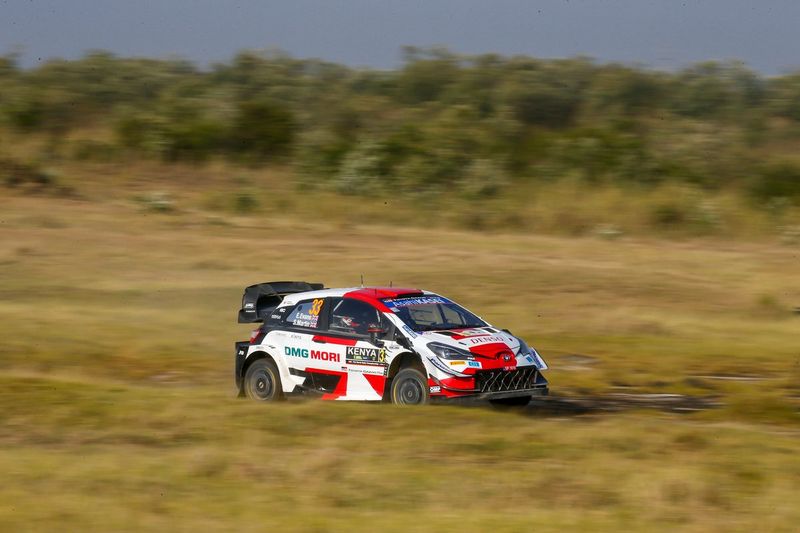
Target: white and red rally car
column 400, row 345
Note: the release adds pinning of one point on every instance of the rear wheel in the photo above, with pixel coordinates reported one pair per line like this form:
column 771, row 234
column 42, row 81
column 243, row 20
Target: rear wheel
column 516, row 401
column 262, row 381
column 410, row 387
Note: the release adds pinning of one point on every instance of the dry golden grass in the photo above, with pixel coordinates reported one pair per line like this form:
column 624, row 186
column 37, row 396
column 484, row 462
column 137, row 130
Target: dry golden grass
column 118, row 413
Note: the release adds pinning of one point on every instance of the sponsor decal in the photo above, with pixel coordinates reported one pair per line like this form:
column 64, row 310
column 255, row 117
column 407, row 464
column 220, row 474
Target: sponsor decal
column 366, row 356
column 444, row 368
column 483, row 340
column 408, row 302
column 295, row 352
column 529, row 358
column 411, row 333
column 325, row 356
column 435, row 389
column 277, row 314
column 249, row 305
column 316, row 307
column 475, row 364
column 457, row 363
column 538, row 361
column 317, row 355
column 306, row 320
column 372, row 370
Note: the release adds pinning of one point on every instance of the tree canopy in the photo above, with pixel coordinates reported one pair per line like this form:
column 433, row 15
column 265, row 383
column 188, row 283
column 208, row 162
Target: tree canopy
column 440, row 121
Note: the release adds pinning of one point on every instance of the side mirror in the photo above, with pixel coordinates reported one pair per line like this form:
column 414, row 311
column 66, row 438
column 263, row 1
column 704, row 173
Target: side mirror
column 402, row 341
column 374, row 331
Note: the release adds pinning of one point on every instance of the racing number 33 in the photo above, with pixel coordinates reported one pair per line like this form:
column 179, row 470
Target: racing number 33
column 316, row 307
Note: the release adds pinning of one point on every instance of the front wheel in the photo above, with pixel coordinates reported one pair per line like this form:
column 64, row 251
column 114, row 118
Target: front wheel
column 262, row 381
column 516, row 401
column 409, row 387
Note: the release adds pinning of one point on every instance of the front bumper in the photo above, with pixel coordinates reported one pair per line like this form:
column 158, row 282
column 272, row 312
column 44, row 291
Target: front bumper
column 526, row 377
column 538, row 391
column 494, row 384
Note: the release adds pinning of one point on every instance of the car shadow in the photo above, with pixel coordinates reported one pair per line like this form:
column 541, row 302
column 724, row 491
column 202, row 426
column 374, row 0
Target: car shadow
column 557, row 405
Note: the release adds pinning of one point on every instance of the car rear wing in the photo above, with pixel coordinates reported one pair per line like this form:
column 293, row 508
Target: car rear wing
column 260, row 299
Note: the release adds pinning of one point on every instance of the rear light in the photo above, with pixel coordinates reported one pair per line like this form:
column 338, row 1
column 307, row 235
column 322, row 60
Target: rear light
column 255, row 336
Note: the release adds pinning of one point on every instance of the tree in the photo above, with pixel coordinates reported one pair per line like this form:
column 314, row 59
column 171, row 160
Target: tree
column 262, row 129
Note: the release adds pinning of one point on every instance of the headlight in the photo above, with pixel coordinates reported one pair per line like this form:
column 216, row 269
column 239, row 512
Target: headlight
column 524, row 350
column 448, row 352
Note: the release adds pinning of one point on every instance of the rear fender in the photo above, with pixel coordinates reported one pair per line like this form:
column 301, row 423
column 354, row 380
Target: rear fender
column 283, row 370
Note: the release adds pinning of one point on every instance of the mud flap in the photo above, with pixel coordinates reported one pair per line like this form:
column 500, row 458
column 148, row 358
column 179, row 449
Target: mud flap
column 240, row 355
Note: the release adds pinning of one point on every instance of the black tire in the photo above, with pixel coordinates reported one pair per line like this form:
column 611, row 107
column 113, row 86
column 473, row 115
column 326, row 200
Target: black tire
column 262, row 381
column 516, row 401
column 410, row 387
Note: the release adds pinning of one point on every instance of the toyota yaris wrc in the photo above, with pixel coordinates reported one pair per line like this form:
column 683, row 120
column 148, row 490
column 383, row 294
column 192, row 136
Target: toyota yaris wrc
column 400, row 345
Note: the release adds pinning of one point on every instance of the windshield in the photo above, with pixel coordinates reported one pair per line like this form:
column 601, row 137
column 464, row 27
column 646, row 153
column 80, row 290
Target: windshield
column 427, row 313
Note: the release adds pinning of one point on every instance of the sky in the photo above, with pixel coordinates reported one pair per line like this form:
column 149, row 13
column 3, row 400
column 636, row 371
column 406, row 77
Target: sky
column 663, row 34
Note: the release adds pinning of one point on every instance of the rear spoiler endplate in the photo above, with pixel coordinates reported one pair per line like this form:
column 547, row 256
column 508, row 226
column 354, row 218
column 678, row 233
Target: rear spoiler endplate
column 260, row 299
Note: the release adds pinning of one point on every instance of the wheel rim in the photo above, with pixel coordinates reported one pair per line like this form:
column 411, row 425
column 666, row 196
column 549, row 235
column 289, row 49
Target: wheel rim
column 262, row 385
column 410, row 392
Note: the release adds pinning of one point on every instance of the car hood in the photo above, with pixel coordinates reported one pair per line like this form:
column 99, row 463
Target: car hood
column 485, row 343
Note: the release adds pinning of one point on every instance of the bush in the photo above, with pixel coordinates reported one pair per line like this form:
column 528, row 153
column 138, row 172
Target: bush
column 262, row 130
column 245, row 202
column 781, row 180
column 441, row 123
column 89, row 150
column 25, row 113
column 543, row 102
column 319, row 155
column 139, row 131
column 483, row 178
column 361, row 170
column 195, row 139
column 159, row 202
column 15, row 173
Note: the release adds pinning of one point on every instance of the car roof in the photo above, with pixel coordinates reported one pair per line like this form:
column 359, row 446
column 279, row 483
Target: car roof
column 370, row 294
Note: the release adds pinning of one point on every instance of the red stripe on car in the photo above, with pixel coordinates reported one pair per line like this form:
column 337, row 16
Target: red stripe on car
column 341, row 386
column 334, row 340
column 376, row 382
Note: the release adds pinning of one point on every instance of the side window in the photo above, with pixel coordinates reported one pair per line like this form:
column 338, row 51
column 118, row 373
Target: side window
column 306, row 314
column 353, row 317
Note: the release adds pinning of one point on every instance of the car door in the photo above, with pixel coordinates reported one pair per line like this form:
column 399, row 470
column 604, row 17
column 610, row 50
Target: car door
column 313, row 364
column 366, row 362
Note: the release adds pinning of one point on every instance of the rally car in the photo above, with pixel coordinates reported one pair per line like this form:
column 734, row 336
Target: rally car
column 405, row 346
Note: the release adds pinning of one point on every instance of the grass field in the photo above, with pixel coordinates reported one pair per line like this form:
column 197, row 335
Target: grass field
column 118, row 409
